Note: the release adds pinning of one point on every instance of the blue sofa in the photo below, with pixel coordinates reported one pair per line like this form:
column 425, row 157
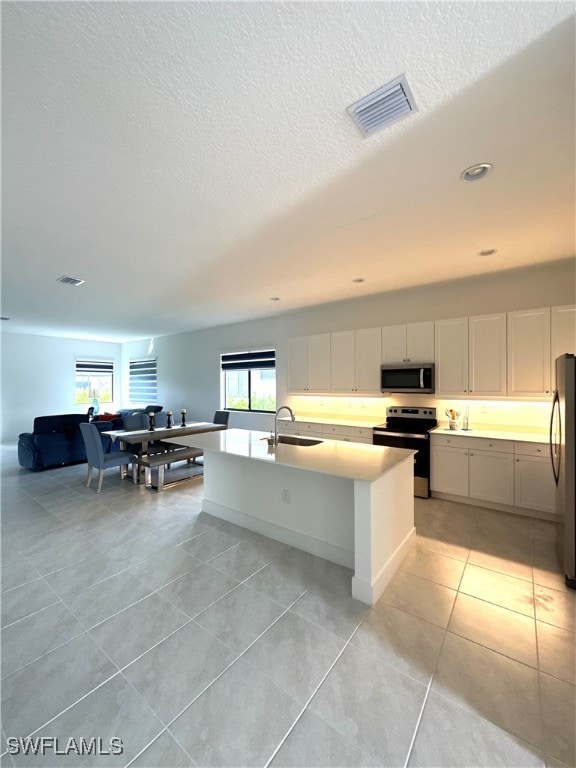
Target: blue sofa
column 57, row 441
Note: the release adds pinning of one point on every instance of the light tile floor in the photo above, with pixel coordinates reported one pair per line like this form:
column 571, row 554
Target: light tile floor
column 135, row 615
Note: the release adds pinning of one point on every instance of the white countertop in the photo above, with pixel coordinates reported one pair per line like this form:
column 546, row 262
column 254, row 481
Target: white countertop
column 492, row 432
column 354, row 461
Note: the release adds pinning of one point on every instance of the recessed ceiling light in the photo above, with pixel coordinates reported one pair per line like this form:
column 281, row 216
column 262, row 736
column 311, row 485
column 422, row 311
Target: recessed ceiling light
column 274, row 298
column 487, row 252
column 476, row 172
column 359, row 280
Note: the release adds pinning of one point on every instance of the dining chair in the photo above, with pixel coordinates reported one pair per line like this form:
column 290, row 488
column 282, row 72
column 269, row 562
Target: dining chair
column 221, row 417
column 97, row 459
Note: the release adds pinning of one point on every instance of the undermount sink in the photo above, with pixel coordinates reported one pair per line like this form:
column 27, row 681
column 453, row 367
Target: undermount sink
column 293, row 440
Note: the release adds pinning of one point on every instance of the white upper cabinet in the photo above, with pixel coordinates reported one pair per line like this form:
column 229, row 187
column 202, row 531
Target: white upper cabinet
column 298, row 364
column 497, row 355
column 487, row 355
column 309, row 363
column 394, row 344
column 368, row 357
column 355, row 361
column 342, row 368
column 319, row 362
column 563, row 320
column 451, row 358
column 529, row 353
column 412, row 343
column 420, row 342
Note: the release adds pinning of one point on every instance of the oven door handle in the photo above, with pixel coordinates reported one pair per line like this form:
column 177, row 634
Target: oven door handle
column 400, row 434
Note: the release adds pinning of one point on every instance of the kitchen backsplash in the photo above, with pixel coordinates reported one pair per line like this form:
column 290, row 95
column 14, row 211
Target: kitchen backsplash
column 481, row 412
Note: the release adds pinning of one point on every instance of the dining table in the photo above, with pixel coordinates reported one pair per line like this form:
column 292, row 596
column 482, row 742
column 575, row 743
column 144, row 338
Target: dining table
column 144, row 437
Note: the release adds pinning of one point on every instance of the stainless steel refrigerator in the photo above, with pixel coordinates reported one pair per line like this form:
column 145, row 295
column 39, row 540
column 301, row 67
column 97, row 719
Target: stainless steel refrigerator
column 563, row 455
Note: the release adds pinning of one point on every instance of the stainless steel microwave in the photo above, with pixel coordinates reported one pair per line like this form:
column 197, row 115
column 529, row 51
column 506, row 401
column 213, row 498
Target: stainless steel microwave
column 407, row 378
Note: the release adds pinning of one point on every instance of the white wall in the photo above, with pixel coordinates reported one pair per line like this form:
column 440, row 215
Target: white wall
column 188, row 363
column 38, row 378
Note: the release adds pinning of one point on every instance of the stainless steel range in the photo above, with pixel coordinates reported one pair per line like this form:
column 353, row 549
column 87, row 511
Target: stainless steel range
column 410, row 428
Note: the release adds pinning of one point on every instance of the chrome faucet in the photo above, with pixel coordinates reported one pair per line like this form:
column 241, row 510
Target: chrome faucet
column 282, row 407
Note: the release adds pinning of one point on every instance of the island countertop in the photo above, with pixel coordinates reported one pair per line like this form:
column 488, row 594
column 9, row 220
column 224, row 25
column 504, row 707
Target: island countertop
column 355, row 461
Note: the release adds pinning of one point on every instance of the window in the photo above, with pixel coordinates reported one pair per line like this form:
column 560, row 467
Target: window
column 94, row 379
column 250, row 381
column 143, row 382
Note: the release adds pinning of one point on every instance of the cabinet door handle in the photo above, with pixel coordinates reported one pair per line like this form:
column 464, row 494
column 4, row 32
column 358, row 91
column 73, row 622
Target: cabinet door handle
column 518, row 461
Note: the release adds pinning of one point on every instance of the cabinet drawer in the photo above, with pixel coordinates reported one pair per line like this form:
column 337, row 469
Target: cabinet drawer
column 473, row 443
column 348, row 439
column 532, row 449
column 298, row 427
column 303, row 427
column 351, row 432
column 486, row 444
column 451, row 441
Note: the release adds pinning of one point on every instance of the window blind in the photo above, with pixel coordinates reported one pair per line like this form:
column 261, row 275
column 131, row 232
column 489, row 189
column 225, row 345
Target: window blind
column 94, row 366
column 144, row 381
column 245, row 361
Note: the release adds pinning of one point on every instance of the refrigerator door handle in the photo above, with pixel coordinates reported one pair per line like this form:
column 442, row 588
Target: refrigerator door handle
column 554, row 454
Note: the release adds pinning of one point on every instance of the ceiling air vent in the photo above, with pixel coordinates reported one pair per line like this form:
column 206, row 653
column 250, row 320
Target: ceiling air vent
column 383, row 107
column 70, row 280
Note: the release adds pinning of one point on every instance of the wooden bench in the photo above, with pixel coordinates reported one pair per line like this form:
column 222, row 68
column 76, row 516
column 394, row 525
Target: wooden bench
column 160, row 460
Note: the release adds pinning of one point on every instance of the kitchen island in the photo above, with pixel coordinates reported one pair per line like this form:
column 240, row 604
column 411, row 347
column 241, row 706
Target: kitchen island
column 349, row 503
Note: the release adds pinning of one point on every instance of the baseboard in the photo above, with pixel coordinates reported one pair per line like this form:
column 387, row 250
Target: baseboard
column 371, row 593
column 536, row 513
column 292, row 538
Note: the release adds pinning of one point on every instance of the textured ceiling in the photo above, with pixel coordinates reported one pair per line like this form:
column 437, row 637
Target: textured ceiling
column 191, row 160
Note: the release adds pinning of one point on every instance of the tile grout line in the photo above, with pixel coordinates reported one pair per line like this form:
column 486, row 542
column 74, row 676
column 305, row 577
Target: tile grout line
column 314, row 692
column 431, row 680
column 540, row 748
column 87, row 629
column 539, row 676
column 209, row 685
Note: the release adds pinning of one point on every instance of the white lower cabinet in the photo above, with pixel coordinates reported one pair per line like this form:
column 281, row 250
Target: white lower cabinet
column 302, row 428
column 501, row 472
column 449, row 470
column 348, row 434
column 534, row 486
column 491, row 476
